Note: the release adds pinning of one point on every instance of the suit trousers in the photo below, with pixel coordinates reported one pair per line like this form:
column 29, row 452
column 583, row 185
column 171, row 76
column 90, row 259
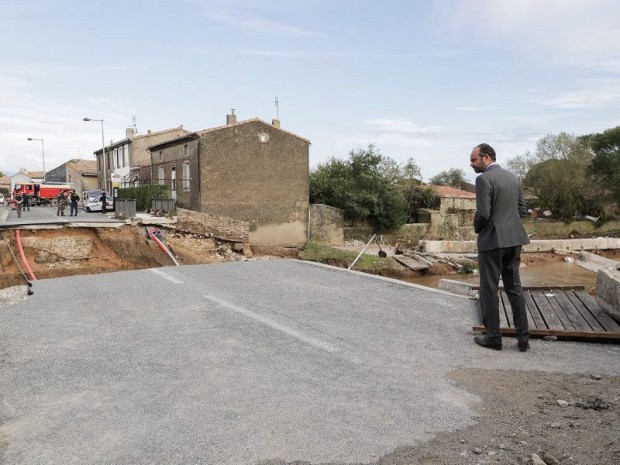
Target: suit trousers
column 502, row 262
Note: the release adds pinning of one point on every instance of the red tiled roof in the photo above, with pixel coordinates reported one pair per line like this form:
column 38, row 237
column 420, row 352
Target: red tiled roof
column 452, row 192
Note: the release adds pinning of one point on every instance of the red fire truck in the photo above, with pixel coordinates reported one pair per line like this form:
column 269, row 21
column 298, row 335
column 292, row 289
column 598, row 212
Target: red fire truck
column 40, row 194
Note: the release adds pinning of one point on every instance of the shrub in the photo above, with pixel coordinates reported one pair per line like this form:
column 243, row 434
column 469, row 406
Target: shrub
column 144, row 195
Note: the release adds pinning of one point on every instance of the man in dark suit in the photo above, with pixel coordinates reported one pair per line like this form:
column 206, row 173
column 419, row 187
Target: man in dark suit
column 499, row 208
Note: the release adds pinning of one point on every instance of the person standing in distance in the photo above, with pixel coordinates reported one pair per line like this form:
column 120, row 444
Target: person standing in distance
column 104, row 202
column 499, row 208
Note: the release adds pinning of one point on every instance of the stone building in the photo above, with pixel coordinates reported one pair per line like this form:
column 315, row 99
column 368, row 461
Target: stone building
column 81, row 174
column 249, row 170
column 125, row 157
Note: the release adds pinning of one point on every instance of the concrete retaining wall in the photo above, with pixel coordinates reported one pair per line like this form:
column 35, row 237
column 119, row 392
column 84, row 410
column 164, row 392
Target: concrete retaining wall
column 608, row 292
column 535, row 246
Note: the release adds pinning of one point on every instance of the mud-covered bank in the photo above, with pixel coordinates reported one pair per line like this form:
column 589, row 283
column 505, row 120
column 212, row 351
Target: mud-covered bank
column 54, row 253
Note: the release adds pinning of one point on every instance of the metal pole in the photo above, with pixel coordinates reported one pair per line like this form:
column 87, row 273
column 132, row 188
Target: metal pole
column 360, row 254
column 105, row 169
column 105, row 175
column 43, row 155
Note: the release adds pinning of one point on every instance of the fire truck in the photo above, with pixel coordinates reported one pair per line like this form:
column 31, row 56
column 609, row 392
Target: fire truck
column 40, row 194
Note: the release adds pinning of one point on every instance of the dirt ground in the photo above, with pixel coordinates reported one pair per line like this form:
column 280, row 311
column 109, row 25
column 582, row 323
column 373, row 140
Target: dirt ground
column 53, row 253
column 562, row 419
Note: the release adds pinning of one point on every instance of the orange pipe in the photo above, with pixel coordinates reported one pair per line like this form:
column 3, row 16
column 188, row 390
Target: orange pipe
column 18, row 238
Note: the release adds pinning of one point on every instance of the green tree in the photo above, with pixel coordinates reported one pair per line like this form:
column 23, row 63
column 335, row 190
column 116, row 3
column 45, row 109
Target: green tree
column 454, row 177
column 606, row 162
column 408, row 183
column 558, row 176
column 364, row 186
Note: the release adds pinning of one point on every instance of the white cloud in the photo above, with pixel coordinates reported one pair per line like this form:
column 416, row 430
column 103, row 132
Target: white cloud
column 470, row 109
column 595, row 94
column 575, row 32
column 264, row 25
column 402, row 126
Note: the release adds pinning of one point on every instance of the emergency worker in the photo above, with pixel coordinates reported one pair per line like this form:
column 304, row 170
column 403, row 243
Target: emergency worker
column 62, row 204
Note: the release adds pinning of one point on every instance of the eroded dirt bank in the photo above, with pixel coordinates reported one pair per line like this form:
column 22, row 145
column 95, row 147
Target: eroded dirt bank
column 54, row 253
column 63, row 251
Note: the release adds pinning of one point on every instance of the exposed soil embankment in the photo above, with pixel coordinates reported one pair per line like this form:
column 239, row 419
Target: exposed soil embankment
column 54, row 253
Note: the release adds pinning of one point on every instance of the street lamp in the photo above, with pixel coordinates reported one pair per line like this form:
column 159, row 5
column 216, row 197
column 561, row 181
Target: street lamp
column 105, row 175
column 42, row 154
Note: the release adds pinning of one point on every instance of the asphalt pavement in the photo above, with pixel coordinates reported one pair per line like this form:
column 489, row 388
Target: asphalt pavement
column 40, row 215
column 243, row 362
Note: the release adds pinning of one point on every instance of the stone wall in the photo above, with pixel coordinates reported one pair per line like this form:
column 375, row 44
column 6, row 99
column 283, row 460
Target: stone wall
column 257, row 173
column 219, row 226
column 327, row 224
column 608, row 292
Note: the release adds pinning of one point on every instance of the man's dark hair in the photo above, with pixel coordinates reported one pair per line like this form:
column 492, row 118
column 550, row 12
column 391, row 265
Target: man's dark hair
column 486, row 149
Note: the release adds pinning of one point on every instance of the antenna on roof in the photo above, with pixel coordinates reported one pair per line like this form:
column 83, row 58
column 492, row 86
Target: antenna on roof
column 277, row 108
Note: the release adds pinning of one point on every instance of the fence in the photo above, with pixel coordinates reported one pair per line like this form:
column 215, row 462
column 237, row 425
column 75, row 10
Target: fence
column 125, row 208
column 167, row 205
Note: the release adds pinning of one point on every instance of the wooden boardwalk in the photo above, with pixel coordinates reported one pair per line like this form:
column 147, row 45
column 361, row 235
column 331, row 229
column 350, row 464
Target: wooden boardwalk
column 568, row 312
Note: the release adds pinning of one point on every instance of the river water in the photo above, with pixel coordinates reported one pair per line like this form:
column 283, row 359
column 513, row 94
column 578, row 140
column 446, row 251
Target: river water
column 538, row 274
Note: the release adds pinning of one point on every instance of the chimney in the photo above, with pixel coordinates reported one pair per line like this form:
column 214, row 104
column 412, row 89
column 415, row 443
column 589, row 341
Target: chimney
column 130, row 132
column 275, row 123
column 232, row 118
column 148, row 132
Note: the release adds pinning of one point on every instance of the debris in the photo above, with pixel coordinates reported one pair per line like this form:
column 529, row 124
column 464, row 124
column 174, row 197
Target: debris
column 596, row 377
column 536, row 460
column 550, row 338
column 563, row 403
column 595, row 404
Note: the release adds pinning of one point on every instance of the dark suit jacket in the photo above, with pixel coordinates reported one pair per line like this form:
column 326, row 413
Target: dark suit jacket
column 499, row 208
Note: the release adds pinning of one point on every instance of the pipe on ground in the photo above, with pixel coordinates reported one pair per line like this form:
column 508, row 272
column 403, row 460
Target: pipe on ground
column 18, row 239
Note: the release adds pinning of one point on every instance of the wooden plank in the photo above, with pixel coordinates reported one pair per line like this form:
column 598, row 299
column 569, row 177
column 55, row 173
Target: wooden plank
column 581, row 308
column 602, row 317
column 553, row 288
column 591, row 335
column 546, row 310
column 505, row 316
column 533, row 310
column 572, row 313
column 559, row 311
column 410, row 263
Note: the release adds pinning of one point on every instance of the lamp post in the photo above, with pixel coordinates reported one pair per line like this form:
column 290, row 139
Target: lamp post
column 105, row 175
column 42, row 155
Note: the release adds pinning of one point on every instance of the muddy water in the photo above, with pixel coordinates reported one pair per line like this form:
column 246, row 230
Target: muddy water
column 539, row 274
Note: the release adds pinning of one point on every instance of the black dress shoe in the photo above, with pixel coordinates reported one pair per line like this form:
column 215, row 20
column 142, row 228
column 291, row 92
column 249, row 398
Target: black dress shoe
column 484, row 342
column 523, row 346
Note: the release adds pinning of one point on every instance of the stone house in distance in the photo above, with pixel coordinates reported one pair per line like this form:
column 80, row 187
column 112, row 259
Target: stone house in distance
column 81, row 174
column 125, row 157
column 454, row 216
column 249, row 170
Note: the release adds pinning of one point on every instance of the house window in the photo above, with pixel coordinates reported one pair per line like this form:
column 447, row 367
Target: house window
column 186, row 176
column 161, row 155
column 124, row 155
column 160, row 174
column 185, row 150
column 173, row 178
column 118, row 162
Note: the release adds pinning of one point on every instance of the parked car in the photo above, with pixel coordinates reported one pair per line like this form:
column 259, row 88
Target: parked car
column 1, row 199
column 94, row 204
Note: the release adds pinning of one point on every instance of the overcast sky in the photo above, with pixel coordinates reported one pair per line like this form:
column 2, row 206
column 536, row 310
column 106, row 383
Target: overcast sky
column 421, row 79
